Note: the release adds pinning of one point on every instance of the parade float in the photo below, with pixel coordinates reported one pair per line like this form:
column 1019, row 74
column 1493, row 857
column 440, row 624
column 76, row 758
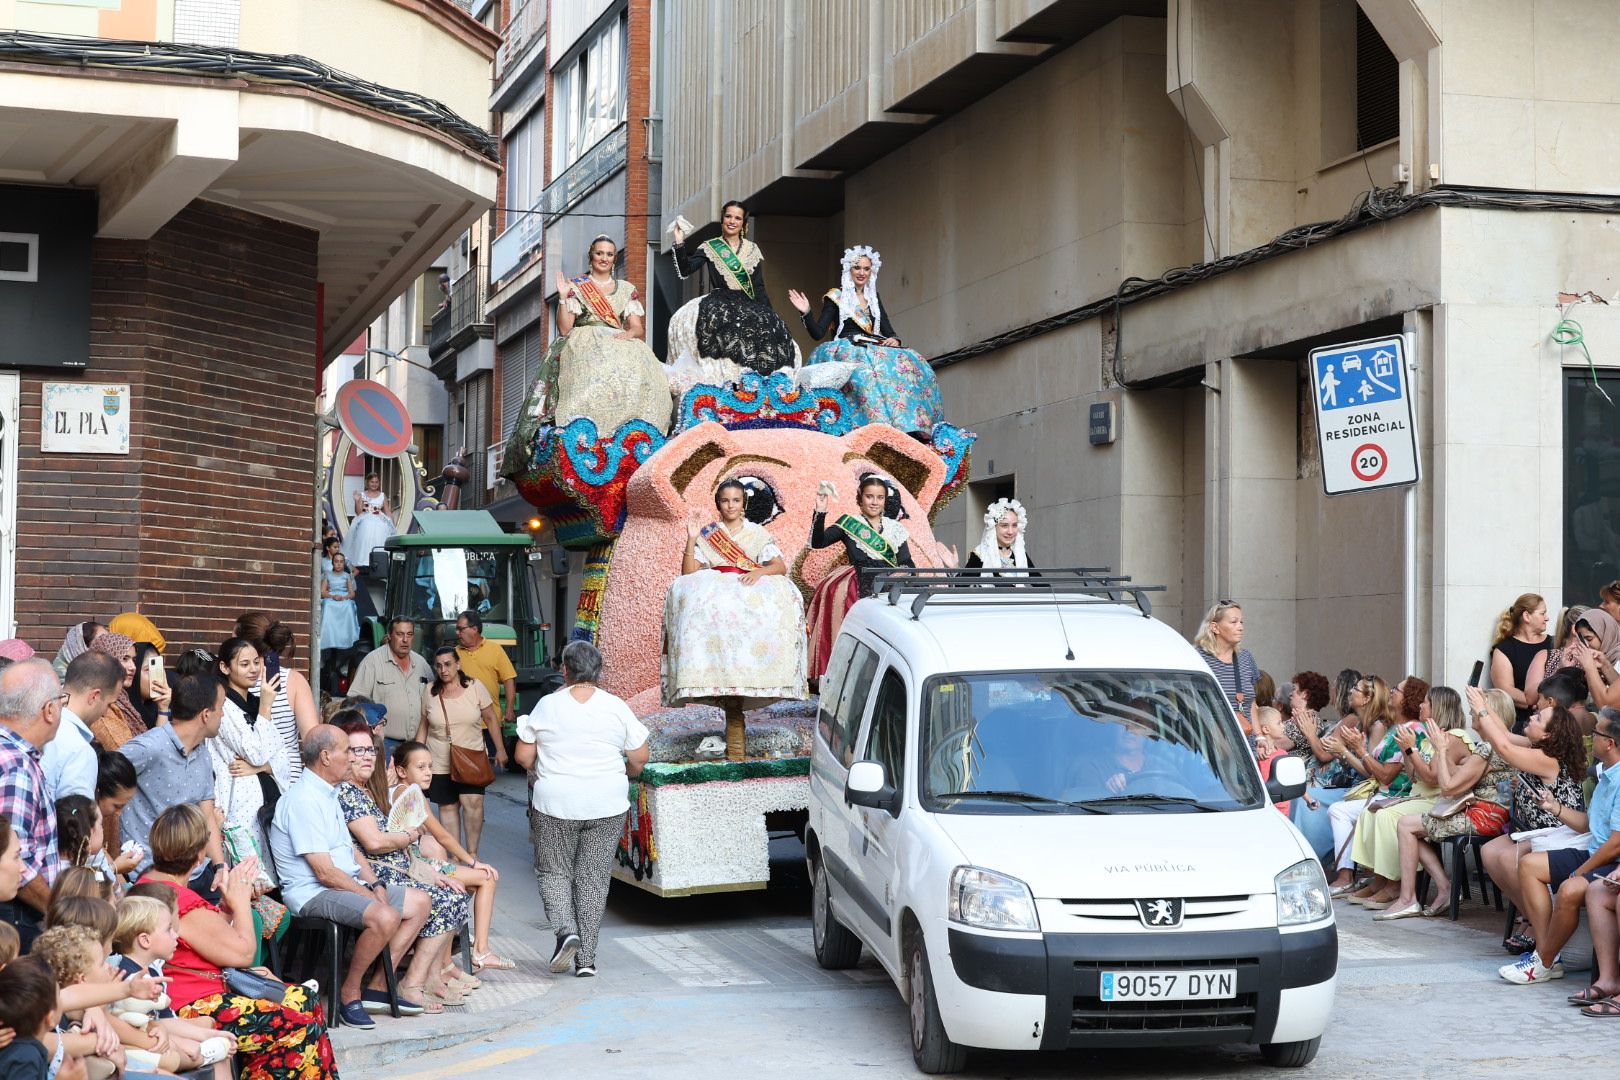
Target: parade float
column 701, row 822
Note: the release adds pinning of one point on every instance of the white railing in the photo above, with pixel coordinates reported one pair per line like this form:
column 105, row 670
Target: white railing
column 526, row 26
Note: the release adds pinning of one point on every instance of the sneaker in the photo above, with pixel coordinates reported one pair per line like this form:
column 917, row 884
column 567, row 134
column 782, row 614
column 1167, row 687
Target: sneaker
column 353, row 1013
column 585, row 971
column 215, row 1049
column 1529, row 969
column 567, row 946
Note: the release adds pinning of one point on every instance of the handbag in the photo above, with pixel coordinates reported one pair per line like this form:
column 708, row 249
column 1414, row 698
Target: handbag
column 242, row 982
column 470, row 768
column 1451, row 807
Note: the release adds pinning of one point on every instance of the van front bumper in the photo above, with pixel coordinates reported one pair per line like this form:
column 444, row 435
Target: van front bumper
column 1285, row 984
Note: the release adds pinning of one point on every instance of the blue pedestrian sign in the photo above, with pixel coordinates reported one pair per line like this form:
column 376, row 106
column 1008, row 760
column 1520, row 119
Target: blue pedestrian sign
column 1364, row 415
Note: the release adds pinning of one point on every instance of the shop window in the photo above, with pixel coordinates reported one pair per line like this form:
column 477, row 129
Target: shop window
column 1591, row 484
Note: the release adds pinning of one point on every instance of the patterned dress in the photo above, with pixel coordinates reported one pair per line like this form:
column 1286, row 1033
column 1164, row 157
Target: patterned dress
column 450, row 908
column 885, row 384
column 599, row 376
column 734, row 322
column 726, row 639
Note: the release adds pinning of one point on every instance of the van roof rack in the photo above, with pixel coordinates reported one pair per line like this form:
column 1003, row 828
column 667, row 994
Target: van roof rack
column 1053, row 585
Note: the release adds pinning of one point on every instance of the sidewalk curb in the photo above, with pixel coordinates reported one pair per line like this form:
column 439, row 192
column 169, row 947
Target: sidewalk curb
column 382, row 1046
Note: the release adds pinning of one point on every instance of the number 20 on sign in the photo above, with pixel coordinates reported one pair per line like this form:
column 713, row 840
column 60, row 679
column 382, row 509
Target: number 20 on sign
column 1362, row 399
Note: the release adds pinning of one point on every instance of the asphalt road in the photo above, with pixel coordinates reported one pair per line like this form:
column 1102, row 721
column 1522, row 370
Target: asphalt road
column 726, row 986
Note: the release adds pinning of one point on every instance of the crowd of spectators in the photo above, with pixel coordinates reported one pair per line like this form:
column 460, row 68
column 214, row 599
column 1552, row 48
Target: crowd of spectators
column 1520, row 763
column 164, row 813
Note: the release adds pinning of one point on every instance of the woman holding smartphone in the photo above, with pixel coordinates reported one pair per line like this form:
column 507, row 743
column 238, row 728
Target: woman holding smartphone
column 150, row 692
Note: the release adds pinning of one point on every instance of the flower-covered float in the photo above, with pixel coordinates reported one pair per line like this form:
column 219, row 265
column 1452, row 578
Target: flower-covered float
column 701, row 823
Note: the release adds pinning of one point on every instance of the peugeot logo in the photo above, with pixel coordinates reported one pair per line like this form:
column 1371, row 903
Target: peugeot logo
column 1157, row 913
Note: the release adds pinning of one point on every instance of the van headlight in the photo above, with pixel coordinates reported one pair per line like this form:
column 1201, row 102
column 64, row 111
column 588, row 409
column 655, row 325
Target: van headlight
column 1302, row 894
column 991, row 901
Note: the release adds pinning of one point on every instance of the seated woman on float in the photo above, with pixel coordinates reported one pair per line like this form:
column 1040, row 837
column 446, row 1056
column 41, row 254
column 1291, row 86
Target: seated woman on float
column 887, row 384
column 733, row 622
column 603, row 369
column 733, row 326
column 1001, row 550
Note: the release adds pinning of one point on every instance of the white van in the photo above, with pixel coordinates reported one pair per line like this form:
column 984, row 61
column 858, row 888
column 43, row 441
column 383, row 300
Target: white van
column 1031, row 802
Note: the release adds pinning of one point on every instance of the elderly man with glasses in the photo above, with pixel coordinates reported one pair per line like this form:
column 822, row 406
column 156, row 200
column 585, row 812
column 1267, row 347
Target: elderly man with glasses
column 31, row 700
column 1572, row 872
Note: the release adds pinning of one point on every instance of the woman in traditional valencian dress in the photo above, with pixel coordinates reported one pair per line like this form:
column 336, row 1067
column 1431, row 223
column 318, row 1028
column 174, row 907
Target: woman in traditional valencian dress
column 604, row 369
column 735, row 322
column 1001, row 549
column 886, row 383
column 372, row 525
column 733, row 622
column 871, row 540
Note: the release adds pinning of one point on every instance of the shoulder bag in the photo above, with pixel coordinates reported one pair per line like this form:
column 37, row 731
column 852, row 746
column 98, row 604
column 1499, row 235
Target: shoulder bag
column 470, row 768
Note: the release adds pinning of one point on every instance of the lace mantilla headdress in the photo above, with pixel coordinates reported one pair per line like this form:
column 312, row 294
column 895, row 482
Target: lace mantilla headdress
column 847, row 307
column 989, row 551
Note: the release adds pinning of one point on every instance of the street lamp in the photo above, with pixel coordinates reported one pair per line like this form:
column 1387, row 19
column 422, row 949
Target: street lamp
column 392, row 355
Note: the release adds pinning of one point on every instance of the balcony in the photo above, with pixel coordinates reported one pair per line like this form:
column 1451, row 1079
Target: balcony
column 460, row 322
column 526, row 28
column 522, row 235
column 581, row 178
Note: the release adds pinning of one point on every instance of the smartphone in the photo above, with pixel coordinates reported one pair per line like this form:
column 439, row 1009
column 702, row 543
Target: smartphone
column 272, row 665
column 156, row 677
column 1479, row 668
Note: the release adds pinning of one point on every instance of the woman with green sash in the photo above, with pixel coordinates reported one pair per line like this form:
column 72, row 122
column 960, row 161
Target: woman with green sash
column 871, row 541
column 735, row 321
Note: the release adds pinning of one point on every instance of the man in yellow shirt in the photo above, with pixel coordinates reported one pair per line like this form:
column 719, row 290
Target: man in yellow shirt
column 486, row 661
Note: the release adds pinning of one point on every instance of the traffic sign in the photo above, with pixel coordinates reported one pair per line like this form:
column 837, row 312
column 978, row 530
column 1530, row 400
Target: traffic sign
column 374, row 418
column 1364, row 426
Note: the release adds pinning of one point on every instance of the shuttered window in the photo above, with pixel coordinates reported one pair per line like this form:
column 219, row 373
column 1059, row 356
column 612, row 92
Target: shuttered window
column 520, row 363
column 1378, row 86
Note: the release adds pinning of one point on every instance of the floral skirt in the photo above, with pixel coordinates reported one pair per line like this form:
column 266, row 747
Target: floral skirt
column 747, row 332
column 885, row 386
column 274, row 1041
column 726, row 639
column 610, row 381
column 449, row 910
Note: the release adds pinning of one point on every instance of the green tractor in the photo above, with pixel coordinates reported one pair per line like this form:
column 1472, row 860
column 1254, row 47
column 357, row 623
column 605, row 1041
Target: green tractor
column 460, row 560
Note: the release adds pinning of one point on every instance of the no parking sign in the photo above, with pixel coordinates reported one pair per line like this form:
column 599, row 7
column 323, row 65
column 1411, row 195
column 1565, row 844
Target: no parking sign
column 1364, row 416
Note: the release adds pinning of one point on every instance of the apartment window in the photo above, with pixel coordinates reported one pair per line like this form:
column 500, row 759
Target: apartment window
column 1378, row 86
column 525, row 160
column 589, row 93
column 1361, row 85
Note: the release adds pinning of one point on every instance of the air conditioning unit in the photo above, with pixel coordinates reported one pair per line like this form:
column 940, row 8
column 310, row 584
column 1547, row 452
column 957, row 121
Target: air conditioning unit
column 492, row 465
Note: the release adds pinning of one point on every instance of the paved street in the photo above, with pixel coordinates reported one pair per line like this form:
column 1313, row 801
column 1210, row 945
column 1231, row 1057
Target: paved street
column 722, row 986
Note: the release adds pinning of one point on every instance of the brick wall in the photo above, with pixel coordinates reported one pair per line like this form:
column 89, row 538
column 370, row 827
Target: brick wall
column 212, row 323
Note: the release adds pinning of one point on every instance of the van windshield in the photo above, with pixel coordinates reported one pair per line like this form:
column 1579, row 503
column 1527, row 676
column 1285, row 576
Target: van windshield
column 1083, row 742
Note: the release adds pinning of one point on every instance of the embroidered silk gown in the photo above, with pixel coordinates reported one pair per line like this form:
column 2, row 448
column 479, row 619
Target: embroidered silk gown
column 886, row 385
column 734, row 323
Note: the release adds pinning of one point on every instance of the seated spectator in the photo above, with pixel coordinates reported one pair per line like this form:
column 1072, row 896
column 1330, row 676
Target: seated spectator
column 323, row 877
column 412, row 767
column 1364, row 709
column 1596, row 653
column 1384, row 764
column 1302, row 727
column 390, row 855
column 145, row 940
column 1474, row 781
column 1548, row 808
column 1567, row 689
column 172, row 761
column 1375, row 844
column 69, row 760
column 31, row 702
column 1570, row 871
column 28, row 1009
column 276, row 1040
column 115, row 786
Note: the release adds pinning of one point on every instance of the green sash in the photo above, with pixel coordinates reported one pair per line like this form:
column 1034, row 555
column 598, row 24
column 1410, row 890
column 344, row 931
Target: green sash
column 869, row 539
column 732, row 265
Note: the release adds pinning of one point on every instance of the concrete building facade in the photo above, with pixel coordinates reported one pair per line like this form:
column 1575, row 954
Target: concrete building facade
column 192, row 208
column 1017, row 161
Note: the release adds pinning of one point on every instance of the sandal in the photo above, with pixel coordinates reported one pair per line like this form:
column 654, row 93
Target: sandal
column 1590, row 996
column 429, row 1004
column 448, row 998
column 493, row 961
column 1518, row 944
column 1440, row 907
column 1607, row 1009
column 459, row 979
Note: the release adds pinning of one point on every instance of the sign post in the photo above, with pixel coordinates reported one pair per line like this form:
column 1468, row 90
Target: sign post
column 1364, row 427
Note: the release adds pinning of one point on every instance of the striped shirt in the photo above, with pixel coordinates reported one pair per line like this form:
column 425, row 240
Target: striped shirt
column 1236, row 678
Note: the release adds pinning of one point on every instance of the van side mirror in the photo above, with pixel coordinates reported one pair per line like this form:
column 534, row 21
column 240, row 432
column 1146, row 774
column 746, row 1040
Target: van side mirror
column 1287, row 779
column 868, row 786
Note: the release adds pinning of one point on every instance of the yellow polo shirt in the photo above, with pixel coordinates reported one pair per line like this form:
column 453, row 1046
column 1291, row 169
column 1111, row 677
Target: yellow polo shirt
column 490, row 665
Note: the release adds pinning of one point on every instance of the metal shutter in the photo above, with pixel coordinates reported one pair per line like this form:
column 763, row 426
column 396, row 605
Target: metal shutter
column 1378, row 86
column 520, row 364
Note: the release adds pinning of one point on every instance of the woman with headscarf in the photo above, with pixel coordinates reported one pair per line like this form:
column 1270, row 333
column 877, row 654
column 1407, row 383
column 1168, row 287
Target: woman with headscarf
column 122, row 721
column 887, row 383
column 149, row 696
column 1001, row 548
column 137, row 627
column 1597, row 654
column 75, row 643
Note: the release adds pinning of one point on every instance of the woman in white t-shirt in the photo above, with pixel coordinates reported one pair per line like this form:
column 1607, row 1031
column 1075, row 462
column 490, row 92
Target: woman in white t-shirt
column 579, row 743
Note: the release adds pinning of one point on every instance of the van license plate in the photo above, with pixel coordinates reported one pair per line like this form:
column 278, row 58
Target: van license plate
column 1142, row 985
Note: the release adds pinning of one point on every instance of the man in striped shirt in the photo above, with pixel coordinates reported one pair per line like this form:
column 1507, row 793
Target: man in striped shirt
column 31, row 701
